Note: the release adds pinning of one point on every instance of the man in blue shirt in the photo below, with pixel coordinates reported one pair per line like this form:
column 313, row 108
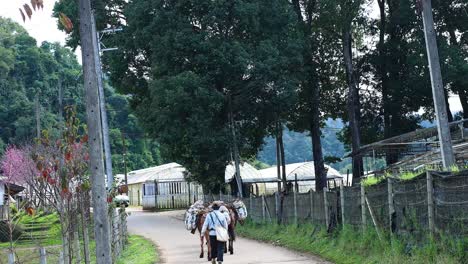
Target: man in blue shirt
column 213, row 219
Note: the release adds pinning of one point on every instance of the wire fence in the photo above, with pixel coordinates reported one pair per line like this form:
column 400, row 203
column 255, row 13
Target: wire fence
column 432, row 202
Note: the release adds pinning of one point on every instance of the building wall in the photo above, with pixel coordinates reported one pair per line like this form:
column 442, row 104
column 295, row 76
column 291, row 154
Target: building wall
column 135, row 194
column 2, row 201
column 2, row 194
column 170, row 195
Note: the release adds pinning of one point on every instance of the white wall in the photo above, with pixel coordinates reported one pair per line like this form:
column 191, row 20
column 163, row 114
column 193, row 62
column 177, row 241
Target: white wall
column 2, row 193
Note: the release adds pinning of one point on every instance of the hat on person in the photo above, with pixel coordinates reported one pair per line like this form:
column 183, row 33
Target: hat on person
column 215, row 206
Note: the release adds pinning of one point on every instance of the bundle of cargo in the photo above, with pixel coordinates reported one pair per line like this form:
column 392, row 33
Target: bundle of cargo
column 191, row 215
column 241, row 209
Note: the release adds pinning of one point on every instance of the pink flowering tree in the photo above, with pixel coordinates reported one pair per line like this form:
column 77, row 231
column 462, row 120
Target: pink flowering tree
column 16, row 166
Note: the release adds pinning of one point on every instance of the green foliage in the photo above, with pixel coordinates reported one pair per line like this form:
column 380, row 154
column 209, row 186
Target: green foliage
column 180, row 63
column 351, row 245
column 32, row 71
column 199, row 57
column 27, row 70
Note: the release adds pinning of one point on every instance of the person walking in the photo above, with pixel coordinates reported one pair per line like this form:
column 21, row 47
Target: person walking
column 213, row 219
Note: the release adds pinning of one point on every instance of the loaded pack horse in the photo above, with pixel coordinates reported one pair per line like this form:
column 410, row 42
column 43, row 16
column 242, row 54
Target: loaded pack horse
column 232, row 227
column 200, row 220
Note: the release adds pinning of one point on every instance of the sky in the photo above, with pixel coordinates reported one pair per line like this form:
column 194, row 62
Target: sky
column 42, row 27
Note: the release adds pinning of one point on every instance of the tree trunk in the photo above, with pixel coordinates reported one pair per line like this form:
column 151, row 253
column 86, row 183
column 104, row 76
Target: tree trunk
column 382, row 71
column 319, row 165
column 447, row 105
column 282, row 158
column 65, row 244
column 353, row 102
column 85, row 232
column 463, row 94
column 278, row 159
column 38, row 115
column 96, row 171
column 76, row 246
column 236, row 150
column 278, row 168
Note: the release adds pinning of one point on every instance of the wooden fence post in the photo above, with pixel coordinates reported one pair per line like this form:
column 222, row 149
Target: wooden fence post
column 155, row 195
column 430, row 202
column 363, row 206
column 189, row 194
column 325, row 203
column 342, row 201
column 278, row 220
column 43, row 255
column 250, row 204
column 61, row 258
column 311, row 196
column 11, row 258
column 267, row 208
column 76, row 239
column 263, row 209
column 391, row 206
column 295, row 206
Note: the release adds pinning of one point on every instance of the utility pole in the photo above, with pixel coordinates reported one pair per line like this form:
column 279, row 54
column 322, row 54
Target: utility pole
column 236, row 150
column 124, row 154
column 102, row 106
column 37, row 111
column 60, row 101
column 99, row 194
column 438, row 94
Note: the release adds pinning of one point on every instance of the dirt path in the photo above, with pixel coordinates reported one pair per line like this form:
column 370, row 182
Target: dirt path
column 178, row 245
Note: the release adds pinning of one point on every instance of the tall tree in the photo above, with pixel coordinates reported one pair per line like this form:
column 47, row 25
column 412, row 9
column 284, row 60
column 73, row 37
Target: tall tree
column 319, row 65
column 197, row 55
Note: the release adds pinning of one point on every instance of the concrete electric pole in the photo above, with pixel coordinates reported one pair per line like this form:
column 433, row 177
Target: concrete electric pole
column 99, row 193
column 102, row 107
column 445, row 140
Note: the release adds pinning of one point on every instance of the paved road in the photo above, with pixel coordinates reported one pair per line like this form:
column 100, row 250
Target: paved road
column 178, row 245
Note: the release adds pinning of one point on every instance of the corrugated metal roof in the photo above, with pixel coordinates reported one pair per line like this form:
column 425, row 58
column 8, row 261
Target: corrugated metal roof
column 163, row 173
column 305, row 171
column 247, row 172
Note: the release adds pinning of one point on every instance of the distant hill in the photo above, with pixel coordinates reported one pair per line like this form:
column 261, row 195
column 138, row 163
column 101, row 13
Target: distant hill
column 298, row 146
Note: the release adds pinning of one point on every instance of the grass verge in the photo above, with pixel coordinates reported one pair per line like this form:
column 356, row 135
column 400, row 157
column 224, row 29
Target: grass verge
column 352, row 246
column 139, row 251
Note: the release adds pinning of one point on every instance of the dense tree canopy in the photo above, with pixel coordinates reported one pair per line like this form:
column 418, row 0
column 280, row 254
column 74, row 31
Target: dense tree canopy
column 27, row 70
column 187, row 65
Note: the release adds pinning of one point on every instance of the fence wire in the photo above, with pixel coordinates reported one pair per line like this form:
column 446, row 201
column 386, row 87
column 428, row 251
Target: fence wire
column 408, row 198
column 451, row 204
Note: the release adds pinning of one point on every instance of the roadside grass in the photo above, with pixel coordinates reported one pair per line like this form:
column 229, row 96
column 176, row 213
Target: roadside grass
column 51, row 235
column 139, row 251
column 349, row 245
